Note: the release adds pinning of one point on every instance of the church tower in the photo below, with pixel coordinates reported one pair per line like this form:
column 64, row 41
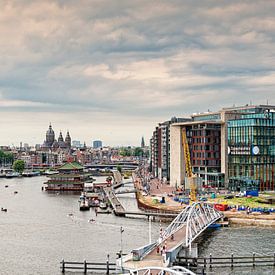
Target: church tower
column 60, row 138
column 142, row 142
column 50, row 136
column 68, row 140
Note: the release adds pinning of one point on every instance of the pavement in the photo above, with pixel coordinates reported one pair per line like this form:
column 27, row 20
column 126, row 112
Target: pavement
column 159, row 189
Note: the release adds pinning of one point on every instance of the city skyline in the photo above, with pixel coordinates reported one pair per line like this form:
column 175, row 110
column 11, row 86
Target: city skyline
column 113, row 70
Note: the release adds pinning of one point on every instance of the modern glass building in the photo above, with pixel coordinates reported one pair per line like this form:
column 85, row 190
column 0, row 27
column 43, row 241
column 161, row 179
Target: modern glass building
column 251, row 149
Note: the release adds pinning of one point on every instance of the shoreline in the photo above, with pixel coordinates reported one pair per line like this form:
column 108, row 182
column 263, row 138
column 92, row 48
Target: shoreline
column 238, row 218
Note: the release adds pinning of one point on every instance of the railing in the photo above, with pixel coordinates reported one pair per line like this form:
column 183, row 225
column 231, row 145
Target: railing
column 87, row 266
column 232, row 261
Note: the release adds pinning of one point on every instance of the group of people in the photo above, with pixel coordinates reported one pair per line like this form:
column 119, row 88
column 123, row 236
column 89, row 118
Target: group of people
column 162, row 249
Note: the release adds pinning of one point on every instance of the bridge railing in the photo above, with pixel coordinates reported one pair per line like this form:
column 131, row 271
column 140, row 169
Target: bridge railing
column 200, row 216
column 140, row 253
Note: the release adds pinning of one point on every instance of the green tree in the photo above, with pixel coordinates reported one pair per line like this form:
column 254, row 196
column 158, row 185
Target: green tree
column 5, row 158
column 19, row 166
column 138, row 152
column 119, row 169
column 125, row 152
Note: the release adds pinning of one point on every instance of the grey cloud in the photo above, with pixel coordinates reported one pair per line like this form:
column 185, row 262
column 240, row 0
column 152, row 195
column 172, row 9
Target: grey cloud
column 150, row 59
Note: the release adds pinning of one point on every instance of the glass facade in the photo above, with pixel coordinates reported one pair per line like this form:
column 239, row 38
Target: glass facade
column 207, row 117
column 251, row 150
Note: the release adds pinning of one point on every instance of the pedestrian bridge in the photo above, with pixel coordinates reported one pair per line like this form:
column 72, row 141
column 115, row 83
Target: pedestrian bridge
column 179, row 235
column 175, row 270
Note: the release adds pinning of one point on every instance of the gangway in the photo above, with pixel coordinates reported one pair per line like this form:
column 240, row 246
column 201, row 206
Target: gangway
column 180, row 234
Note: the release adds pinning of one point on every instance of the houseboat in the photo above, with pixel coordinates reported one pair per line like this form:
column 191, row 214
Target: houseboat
column 71, row 177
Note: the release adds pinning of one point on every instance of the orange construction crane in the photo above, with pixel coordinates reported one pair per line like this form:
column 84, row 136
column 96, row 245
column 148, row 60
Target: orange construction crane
column 191, row 178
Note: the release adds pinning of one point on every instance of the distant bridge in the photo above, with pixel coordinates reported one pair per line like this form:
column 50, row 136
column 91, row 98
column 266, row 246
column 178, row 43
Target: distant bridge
column 179, row 235
column 124, row 165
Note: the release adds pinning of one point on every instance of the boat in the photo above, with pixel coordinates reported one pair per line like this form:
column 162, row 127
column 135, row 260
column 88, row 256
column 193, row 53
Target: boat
column 12, row 175
column 94, row 203
column 50, row 172
column 103, row 205
column 84, row 205
column 214, row 225
column 30, row 173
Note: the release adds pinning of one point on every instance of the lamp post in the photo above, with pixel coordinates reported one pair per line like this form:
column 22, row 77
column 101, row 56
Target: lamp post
column 121, row 231
column 150, row 229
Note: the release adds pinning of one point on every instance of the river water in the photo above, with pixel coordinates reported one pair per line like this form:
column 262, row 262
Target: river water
column 37, row 232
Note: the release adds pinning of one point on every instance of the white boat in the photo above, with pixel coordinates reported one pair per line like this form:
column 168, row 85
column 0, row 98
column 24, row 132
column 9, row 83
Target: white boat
column 50, row 172
column 30, row 173
column 12, row 174
column 84, row 205
column 103, row 205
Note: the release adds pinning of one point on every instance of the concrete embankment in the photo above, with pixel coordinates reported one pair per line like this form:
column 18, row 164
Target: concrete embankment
column 253, row 219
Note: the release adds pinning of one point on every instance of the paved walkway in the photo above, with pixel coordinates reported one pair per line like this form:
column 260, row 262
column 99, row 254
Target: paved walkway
column 159, row 189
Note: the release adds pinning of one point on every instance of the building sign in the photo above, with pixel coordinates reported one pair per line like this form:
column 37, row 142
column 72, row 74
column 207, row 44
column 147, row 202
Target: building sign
column 239, row 150
column 243, row 150
column 255, row 150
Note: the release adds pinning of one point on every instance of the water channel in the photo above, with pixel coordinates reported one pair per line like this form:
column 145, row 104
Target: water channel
column 37, row 232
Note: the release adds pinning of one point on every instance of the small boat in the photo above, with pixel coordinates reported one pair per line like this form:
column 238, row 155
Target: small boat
column 30, row 173
column 214, row 225
column 12, row 175
column 94, row 203
column 50, row 172
column 84, row 205
column 103, row 205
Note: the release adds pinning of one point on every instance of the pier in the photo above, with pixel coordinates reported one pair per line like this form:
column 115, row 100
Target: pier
column 115, row 203
column 210, row 262
column 86, row 267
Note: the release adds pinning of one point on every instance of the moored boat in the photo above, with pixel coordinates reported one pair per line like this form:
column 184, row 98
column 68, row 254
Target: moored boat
column 103, row 205
column 12, row 175
column 84, row 205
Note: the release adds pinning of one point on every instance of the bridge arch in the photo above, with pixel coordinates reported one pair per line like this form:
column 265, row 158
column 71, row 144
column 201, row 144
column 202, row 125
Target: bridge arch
column 175, row 270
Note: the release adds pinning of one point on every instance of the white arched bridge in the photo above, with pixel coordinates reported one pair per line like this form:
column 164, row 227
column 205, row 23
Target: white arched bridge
column 175, row 270
column 180, row 234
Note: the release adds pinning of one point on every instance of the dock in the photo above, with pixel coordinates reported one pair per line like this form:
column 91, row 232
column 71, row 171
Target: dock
column 114, row 201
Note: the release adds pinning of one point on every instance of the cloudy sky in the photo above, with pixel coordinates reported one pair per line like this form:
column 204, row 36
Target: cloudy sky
column 112, row 70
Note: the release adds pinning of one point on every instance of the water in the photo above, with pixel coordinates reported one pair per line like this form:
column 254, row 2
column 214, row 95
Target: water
column 36, row 232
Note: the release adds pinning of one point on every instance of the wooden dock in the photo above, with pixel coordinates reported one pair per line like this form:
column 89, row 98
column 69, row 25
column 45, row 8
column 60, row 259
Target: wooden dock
column 86, row 267
column 208, row 263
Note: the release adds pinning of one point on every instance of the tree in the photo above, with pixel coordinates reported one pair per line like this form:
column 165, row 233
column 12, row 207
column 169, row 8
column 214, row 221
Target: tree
column 138, row 152
column 5, row 158
column 19, row 166
column 125, row 152
column 119, row 169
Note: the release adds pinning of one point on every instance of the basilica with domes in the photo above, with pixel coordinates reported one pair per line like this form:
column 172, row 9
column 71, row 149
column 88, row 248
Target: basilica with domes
column 60, row 143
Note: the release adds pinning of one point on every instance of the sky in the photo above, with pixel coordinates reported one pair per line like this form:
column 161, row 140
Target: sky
column 112, row 70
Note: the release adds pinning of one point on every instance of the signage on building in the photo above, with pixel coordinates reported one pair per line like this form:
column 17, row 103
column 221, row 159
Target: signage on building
column 243, row 150
column 239, row 150
column 255, row 150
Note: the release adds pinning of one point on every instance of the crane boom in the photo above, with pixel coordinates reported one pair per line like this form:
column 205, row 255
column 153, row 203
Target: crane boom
column 188, row 167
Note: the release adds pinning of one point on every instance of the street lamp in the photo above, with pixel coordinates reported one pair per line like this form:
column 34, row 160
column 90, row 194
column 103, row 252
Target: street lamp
column 121, row 231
